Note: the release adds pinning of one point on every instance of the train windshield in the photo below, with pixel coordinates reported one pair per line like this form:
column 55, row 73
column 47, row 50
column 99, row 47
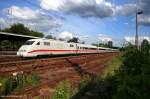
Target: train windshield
column 28, row 42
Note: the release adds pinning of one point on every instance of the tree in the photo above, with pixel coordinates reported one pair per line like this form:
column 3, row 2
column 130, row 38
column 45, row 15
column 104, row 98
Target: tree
column 94, row 44
column 110, row 44
column 17, row 29
column 21, row 29
column 5, row 45
column 83, row 42
column 145, row 47
column 100, row 45
column 49, row 37
column 74, row 39
column 133, row 76
column 61, row 39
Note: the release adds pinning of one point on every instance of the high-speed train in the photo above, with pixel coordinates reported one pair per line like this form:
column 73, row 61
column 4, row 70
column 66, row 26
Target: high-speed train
column 38, row 47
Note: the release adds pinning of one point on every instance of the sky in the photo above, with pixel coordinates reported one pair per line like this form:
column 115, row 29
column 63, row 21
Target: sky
column 92, row 21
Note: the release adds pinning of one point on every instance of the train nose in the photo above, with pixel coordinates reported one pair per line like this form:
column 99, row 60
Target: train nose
column 21, row 52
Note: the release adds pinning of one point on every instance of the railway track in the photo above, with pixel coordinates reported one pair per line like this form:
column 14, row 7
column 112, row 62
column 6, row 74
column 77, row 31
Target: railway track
column 68, row 72
column 9, row 58
column 31, row 65
column 5, row 59
column 53, row 70
column 41, row 64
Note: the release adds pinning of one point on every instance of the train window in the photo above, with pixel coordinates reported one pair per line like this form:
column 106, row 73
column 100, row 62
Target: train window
column 71, row 45
column 38, row 43
column 29, row 42
column 47, row 43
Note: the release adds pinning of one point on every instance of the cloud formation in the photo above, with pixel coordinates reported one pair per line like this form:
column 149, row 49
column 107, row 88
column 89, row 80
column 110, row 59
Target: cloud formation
column 24, row 13
column 144, row 19
column 65, row 35
column 88, row 8
column 35, row 20
column 131, row 39
column 104, row 38
column 98, row 8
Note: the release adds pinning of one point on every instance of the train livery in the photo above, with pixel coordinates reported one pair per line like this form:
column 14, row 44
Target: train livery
column 38, row 47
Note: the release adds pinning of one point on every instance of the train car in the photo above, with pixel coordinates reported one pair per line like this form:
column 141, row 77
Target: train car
column 38, row 47
column 83, row 48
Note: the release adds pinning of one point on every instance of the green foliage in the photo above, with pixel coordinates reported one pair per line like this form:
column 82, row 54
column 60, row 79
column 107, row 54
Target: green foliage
column 36, row 97
column 9, row 84
column 100, row 45
column 145, row 47
column 74, row 39
column 49, row 37
column 63, row 90
column 84, row 81
column 112, row 66
column 21, row 29
column 133, row 76
column 130, row 81
column 33, row 79
column 5, row 44
column 8, row 45
column 109, row 44
column 96, row 88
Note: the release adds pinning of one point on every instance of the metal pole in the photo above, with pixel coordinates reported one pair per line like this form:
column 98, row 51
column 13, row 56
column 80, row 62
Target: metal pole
column 136, row 35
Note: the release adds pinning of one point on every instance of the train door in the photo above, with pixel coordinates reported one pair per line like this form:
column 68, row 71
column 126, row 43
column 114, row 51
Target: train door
column 77, row 48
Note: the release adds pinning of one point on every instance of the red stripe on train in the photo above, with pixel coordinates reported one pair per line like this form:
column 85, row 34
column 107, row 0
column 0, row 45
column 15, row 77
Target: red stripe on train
column 62, row 51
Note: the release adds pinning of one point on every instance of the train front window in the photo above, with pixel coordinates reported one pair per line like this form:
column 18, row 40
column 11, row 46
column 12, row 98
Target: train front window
column 29, row 42
column 38, row 43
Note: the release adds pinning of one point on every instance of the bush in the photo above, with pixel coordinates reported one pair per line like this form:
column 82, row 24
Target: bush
column 9, row 84
column 133, row 76
column 130, row 81
column 62, row 91
column 33, row 79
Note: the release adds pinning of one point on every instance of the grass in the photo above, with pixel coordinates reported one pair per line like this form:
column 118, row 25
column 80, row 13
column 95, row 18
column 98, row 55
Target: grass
column 11, row 83
column 89, row 86
column 113, row 65
column 63, row 90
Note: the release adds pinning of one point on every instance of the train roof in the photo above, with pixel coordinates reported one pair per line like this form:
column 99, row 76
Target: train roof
column 81, row 45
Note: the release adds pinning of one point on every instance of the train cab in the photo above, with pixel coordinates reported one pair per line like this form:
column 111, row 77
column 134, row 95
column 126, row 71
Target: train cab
column 27, row 47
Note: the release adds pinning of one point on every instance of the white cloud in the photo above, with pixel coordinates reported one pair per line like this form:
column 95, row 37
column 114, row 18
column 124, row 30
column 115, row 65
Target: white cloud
column 36, row 20
column 65, row 35
column 144, row 6
column 83, row 37
column 21, row 13
column 83, row 8
column 145, row 20
column 88, row 8
column 131, row 39
column 125, row 9
column 98, row 8
column 3, row 23
column 50, row 4
column 104, row 38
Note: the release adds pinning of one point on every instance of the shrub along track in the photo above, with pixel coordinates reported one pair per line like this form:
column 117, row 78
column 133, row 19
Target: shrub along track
column 54, row 70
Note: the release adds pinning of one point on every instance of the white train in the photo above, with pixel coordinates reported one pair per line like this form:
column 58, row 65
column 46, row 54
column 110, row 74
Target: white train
column 38, row 47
